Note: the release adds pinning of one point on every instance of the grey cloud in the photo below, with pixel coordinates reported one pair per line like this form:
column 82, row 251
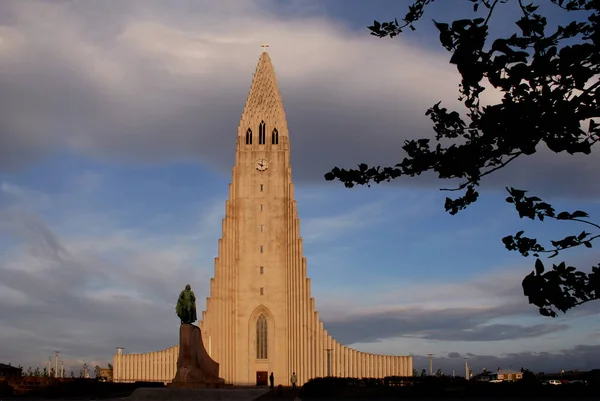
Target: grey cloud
column 57, row 296
column 81, row 81
column 582, row 357
column 456, row 324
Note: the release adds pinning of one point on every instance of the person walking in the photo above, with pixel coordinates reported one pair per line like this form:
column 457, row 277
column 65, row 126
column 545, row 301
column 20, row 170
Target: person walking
column 272, row 380
column 293, row 379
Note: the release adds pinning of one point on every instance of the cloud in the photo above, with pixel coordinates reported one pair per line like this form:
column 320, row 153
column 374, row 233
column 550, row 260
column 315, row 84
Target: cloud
column 148, row 83
column 447, row 324
column 68, row 292
column 489, row 307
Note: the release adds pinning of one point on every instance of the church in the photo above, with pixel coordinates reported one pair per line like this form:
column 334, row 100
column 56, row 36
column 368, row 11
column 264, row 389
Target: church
column 260, row 316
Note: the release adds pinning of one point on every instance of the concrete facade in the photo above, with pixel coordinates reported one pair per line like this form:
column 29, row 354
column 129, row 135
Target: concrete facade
column 260, row 316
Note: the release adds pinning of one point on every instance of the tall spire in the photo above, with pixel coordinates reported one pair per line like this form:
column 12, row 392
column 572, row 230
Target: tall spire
column 264, row 101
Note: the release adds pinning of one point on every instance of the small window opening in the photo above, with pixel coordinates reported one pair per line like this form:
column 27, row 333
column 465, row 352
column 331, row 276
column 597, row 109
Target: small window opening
column 261, row 187
column 262, row 291
column 261, row 249
column 260, row 228
column 262, row 270
column 249, row 137
column 262, row 133
column 261, row 208
column 275, row 137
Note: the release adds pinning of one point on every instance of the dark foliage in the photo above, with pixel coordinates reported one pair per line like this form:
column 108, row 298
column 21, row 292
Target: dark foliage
column 550, row 91
column 433, row 387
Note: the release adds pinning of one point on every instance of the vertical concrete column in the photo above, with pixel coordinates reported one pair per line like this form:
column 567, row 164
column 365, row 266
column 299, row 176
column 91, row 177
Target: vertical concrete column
column 311, row 335
column 388, row 368
column 225, row 265
column 173, row 361
column 161, row 366
column 338, row 359
column 297, row 295
column 128, row 371
column 331, row 363
column 164, row 365
column 151, row 366
column 349, row 370
column 386, row 365
column 131, row 367
column 123, row 375
column 168, row 365
column 404, row 366
column 347, row 361
column 122, row 368
column 295, row 302
column 304, row 312
column 376, row 365
column 319, row 354
column 134, row 366
column 155, row 355
column 361, row 364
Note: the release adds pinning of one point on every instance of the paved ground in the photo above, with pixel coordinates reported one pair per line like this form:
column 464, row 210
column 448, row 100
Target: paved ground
column 208, row 394
column 287, row 393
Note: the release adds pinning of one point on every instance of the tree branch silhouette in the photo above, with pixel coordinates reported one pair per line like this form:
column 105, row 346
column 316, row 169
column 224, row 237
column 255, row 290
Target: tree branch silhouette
column 550, row 87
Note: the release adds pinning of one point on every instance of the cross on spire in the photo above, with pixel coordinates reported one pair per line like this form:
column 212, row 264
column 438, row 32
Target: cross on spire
column 264, row 46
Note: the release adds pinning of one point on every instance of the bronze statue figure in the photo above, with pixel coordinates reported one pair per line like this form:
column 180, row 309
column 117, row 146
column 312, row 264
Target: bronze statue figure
column 186, row 306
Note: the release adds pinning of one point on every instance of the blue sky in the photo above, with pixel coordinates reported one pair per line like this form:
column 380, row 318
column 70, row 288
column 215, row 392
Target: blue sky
column 116, row 146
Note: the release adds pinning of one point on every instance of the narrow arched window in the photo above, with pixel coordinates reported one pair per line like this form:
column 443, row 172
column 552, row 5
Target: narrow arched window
column 275, row 137
column 262, row 128
column 249, row 137
column 261, row 337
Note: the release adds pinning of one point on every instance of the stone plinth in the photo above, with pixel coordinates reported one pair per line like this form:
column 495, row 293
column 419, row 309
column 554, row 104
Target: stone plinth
column 195, row 368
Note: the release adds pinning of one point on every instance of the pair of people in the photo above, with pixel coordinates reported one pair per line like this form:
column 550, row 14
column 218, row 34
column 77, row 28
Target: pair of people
column 293, row 380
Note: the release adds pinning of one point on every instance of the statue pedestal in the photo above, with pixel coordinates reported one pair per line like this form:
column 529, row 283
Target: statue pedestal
column 195, row 368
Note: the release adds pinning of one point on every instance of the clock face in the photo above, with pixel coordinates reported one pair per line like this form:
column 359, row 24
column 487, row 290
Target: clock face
column 262, row 164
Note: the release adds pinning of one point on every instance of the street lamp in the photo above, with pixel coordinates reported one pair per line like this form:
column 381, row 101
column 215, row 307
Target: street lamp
column 430, row 364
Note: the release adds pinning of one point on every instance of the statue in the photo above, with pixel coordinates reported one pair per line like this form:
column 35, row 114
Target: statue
column 186, row 306
column 195, row 368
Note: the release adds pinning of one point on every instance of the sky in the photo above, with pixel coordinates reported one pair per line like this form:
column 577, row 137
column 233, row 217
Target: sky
column 118, row 122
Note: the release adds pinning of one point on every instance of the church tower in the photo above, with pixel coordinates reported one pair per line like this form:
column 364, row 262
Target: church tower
column 260, row 316
column 248, row 319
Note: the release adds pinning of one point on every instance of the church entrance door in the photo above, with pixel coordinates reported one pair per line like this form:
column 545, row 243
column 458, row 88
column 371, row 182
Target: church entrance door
column 262, row 378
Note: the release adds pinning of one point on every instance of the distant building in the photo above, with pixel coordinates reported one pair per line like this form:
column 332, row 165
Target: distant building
column 8, row 370
column 105, row 374
column 507, row 375
column 500, row 375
